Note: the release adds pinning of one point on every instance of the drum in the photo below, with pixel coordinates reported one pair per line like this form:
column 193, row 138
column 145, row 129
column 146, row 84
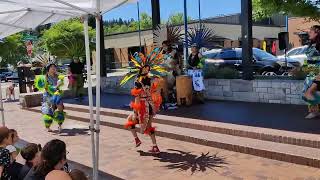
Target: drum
column 184, row 90
column 163, row 88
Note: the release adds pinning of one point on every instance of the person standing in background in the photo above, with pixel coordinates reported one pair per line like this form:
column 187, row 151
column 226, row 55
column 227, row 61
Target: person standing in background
column 76, row 69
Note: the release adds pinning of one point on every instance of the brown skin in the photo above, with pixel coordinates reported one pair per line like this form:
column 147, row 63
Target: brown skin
column 310, row 92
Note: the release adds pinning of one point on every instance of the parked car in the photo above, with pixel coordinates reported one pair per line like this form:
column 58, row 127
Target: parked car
column 14, row 77
column 232, row 57
column 296, row 54
column 4, row 73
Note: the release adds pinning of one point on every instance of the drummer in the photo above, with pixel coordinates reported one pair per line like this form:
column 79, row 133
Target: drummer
column 173, row 68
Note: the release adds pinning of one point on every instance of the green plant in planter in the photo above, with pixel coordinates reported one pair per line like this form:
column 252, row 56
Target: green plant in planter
column 220, row 73
column 302, row 72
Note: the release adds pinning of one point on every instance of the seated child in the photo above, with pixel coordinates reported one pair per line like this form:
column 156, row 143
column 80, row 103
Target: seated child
column 4, row 153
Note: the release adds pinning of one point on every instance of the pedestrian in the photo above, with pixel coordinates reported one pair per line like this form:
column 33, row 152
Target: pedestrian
column 76, row 70
column 52, row 106
column 32, row 156
column 311, row 88
column 53, row 157
column 147, row 99
column 173, row 69
column 5, row 159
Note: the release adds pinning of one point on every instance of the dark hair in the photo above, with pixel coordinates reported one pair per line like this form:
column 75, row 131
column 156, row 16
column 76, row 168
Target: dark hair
column 78, row 175
column 169, row 45
column 53, row 152
column 140, row 70
column 166, row 43
column 4, row 133
column 29, row 152
column 316, row 41
column 49, row 66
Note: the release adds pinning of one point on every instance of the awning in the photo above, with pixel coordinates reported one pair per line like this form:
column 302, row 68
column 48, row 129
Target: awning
column 20, row 15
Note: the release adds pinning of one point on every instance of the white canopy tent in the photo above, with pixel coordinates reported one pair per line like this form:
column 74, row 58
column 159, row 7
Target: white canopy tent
column 21, row 15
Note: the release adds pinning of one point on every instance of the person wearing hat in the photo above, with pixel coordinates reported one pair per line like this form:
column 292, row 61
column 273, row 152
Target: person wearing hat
column 52, row 106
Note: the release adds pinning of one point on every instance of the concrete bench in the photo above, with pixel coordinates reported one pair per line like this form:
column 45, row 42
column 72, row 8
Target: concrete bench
column 28, row 100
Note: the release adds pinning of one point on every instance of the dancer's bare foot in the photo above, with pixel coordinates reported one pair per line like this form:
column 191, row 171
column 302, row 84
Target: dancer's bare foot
column 154, row 150
column 59, row 129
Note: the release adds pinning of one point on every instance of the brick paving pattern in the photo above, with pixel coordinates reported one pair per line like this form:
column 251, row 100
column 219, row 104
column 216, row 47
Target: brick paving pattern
column 179, row 160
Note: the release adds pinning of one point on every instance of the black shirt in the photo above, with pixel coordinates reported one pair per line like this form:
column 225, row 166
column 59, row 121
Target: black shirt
column 194, row 60
column 5, row 162
column 76, row 68
column 24, row 171
column 31, row 176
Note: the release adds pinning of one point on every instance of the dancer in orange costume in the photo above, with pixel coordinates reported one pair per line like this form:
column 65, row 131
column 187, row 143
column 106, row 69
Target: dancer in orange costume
column 147, row 100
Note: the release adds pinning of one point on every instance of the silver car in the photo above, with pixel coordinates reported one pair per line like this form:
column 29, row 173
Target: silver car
column 296, row 54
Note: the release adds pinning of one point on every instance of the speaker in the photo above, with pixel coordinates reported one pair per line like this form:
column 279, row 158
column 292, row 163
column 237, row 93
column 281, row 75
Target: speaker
column 283, row 40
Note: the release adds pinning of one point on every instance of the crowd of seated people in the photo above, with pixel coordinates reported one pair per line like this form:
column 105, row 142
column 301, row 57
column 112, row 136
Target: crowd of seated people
column 47, row 163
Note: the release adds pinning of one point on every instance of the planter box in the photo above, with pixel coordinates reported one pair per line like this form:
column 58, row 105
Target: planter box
column 265, row 91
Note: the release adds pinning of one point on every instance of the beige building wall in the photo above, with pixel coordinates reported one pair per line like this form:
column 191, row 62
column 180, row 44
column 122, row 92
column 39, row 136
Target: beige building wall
column 232, row 32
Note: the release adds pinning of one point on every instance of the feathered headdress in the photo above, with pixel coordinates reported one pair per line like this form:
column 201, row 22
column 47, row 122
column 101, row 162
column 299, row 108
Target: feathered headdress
column 154, row 61
column 201, row 36
column 169, row 33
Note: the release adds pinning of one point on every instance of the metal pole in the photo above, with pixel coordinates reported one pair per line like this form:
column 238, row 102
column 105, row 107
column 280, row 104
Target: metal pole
column 86, row 38
column 139, row 25
column 246, row 31
column 199, row 4
column 186, row 34
column 1, row 107
column 287, row 24
column 155, row 14
column 98, row 63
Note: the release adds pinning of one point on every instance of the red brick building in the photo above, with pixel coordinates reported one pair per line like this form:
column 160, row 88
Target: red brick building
column 298, row 30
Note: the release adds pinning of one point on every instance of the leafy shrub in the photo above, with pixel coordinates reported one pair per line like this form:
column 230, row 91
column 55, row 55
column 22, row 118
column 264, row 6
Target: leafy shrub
column 221, row 73
column 302, row 72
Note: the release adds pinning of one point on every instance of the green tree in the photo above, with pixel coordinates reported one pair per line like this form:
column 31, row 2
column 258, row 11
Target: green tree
column 177, row 19
column 66, row 39
column 13, row 50
column 300, row 8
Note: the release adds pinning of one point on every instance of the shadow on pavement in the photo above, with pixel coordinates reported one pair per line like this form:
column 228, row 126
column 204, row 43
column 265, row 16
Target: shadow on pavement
column 88, row 170
column 72, row 132
column 185, row 161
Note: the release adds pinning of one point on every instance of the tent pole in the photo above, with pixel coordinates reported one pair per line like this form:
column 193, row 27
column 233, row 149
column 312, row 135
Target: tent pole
column 98, row 75
column 186, row 34
column 1, row 107
column 88, row 62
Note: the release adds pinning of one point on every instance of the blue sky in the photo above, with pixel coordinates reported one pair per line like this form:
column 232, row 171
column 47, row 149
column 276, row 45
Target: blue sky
column 209, row 8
